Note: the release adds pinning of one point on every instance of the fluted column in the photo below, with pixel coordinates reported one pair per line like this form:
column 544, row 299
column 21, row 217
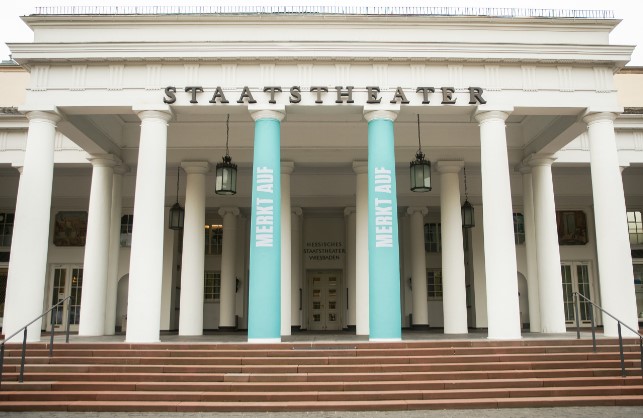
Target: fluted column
column 385, row 322
column 361, row 248
column 454, row 290
column 287, row 168
column 264, row 305
column 95, row 266
column 418, row 266
column 146, row 260
column 499, row 247
column 350, row 219
column 227, row 317
column 616, row 277
column 193, row 256
column 296, row 251
column 550, row 290
column 30, row 242
column 530, row 250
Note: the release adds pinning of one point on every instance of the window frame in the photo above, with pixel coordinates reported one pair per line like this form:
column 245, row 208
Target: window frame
column 212, row 293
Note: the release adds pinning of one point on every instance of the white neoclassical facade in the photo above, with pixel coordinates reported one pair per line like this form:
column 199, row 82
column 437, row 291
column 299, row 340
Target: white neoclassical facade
column 111, row 116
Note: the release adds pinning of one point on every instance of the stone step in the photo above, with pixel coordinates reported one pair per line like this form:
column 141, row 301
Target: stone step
column 198, row 396
column 302, row 406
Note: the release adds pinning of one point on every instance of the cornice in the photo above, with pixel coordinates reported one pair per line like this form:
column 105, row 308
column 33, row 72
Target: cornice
column 387, row 21
column 28, row 53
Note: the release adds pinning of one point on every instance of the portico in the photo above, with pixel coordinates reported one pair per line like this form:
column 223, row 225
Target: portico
column 322, row 143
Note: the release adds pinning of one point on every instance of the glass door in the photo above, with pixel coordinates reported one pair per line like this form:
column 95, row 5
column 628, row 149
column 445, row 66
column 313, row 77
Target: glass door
column 324, row 299
column 66, row 281
column 576, row 278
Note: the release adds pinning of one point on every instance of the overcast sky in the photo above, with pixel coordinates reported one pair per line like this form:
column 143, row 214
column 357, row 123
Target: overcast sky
column 629, row 32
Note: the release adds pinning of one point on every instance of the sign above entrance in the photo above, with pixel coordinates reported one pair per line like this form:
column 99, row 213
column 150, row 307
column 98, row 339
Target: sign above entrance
column 322, row 94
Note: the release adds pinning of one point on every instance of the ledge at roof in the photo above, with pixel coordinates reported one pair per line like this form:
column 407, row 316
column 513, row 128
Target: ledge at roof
column 326, row 10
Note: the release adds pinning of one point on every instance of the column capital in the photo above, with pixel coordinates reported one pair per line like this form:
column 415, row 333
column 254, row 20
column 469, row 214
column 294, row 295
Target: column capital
column 350, row 210
column 18, row 166
column 594, row 117
column 51, row 116
column 540, row 160
column 450, row 166
column 523, row 167
column 287, row 167
column 360, row 167
column 231, row 210
column 388, row 113
column 195, row 167
column 104, row 160
column 121, row 169
column 163, row 113
column 421, row 209
column 297, row 211
column 277, row 112
column 483, row 115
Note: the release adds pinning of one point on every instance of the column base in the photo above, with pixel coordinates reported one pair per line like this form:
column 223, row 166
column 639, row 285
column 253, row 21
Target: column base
column 231, row 328
column 263, row 340
column 384, row 340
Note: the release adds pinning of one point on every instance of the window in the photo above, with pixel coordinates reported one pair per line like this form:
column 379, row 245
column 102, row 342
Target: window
column 434, row 284
column 519, row 228
column 212, row 286
column 433, row 238
column 6, row 229
column 70, row 229
column 635, row 227
column 572, row 227
column 127, row 222
column 213, row 239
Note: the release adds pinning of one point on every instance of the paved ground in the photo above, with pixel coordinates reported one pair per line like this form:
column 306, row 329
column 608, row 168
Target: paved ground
column 585, row 412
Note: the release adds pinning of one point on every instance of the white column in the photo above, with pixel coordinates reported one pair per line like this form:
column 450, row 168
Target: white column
column 530, row 250
column 227, row 319
column 503, row 311
column 93, row 301
column 286, row 254
column 296, row 251
column 418, row 266
column 350, row 219
column 30, row 243
column 193, row 256
column 114, row 250
column 454, row 290
column 616, row 277
column 361, row 248
column 552, row 311
column 146, row 264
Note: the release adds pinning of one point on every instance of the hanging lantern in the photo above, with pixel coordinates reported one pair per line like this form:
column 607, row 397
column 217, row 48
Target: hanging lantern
column 468, row 220
column 177, row 213
column 226, row 171
column 420, row 169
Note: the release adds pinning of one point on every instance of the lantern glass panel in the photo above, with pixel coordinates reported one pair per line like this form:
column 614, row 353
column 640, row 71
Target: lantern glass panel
column 177, row 216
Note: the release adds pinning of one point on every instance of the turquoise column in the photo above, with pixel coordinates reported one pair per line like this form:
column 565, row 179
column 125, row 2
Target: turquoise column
column 264, row 304
column 383, row 245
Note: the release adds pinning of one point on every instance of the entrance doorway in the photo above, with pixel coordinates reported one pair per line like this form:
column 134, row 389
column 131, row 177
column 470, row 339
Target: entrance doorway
column 66, row 280
column 324, row 298
column 576, row 278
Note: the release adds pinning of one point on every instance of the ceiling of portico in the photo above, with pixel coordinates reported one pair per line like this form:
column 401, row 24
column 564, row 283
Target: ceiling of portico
column 316, row 135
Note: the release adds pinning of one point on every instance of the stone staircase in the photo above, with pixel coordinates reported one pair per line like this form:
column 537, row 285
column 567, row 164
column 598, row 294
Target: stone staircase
column 190, row 377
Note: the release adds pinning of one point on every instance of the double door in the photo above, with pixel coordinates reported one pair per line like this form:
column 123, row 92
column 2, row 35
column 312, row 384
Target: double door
column 66, row 280
column 324, row 301
column 576, row 278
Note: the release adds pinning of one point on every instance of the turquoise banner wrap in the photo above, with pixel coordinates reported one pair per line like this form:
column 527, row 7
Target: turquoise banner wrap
column 383, row 244
column 264, row 305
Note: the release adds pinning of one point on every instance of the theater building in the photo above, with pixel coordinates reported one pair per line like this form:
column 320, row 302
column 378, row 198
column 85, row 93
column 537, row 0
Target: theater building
column 113, row 116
